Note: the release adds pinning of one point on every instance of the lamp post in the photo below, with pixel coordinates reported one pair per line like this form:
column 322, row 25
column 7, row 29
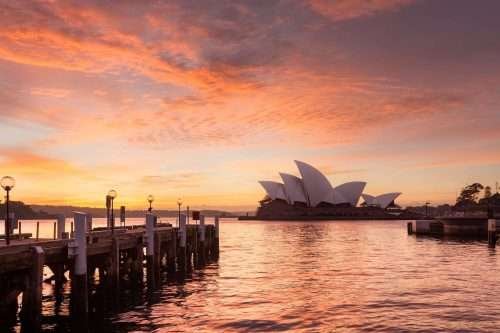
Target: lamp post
column 112, row 195
column 7, row 184
column 150, row 200
column 108, row 207
column 179, row 203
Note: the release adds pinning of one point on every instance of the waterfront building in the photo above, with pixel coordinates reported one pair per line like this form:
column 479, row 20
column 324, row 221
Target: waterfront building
column 312, row 195
column 314, row 189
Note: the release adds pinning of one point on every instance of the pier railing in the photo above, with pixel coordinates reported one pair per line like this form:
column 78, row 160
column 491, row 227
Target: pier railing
column 118, row 256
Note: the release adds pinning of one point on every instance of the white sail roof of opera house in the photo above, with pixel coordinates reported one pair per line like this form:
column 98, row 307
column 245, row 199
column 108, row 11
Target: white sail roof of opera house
column 274, row 190
column 335, row 197
column 317, row 186
column 382, row 200
column 294, row 188
column 351, row 191
column 314, row 188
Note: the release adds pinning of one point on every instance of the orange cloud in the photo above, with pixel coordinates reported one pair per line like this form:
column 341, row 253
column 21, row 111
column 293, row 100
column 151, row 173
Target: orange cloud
column 50, row 92
column 142, row 86
column 16, row 161
column 67, row 42
column 349, row 9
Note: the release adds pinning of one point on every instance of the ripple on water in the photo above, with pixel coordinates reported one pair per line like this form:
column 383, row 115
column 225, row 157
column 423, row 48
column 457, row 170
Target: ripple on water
column 334, row 276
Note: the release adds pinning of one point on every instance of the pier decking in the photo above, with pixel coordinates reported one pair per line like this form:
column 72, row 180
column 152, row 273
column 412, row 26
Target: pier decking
column 119, row 257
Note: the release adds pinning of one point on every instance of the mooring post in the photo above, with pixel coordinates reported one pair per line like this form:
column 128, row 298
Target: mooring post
column 114, row 269
column 150, row 250
column 137, row 264
column 59, row 278
column 191, row 247
column 181, row 256
column 216, row 238
column 8, row 304
column 89, row 222
column 157, row 257
column 32, row 296
column 61, row 226
column 409, row 227
column 492, row 232
column 201, row 244
column 79, row 295
column 171, row 252
column 37, row 229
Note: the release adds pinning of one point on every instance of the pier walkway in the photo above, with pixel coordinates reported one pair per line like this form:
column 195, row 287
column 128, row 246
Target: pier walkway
column 122, row 258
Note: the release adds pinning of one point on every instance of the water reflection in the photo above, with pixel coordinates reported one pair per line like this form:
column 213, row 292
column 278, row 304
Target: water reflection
column 311, row 277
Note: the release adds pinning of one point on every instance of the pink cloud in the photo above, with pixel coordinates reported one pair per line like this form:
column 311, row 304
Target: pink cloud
column 349, row 9
column 50, row 92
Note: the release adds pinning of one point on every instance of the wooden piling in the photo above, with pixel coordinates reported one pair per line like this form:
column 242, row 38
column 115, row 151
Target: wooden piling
column 171, row 252
column 181, row 255
column 191, row 248
column 409, row 228
column 137, row 273
column 201, row 244
column 114, row 266
column 59, row 279
column 32, row 296
column 150, row 251
column 79, row 293
column 8, row 304
column 54, row 234
column 61, row 226
column 492, row 233
column 157, row 257
column 216, row 239
column 89, row 222
column 115, row 256
column 37, row 229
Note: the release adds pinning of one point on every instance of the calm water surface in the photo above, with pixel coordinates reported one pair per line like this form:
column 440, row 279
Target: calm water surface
column 320, row 277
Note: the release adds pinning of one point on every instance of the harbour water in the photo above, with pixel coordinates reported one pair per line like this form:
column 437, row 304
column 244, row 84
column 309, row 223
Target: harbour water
column 338, row 276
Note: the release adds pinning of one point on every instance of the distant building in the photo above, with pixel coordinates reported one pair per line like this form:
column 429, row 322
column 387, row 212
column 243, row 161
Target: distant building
column 314, row 190
column 312, row 195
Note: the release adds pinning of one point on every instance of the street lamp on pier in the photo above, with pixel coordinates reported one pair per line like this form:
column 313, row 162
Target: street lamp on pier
column 7, row 184
column 112, row 195
column 179, row 203
column 150, row 200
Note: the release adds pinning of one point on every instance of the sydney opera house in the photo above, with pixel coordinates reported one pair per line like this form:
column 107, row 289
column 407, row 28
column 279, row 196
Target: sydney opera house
column 312, row 196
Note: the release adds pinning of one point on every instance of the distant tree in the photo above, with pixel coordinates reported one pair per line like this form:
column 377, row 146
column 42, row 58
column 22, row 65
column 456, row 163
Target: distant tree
column 469, row 194
column 487, row 192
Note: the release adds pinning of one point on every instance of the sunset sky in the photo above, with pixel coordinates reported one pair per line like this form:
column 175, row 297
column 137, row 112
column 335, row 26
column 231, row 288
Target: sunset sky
column 201, row 99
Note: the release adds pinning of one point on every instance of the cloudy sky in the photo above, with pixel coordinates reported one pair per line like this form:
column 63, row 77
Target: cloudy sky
column 200, row 99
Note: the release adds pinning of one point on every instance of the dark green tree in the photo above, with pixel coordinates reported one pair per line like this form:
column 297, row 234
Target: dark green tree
column 469, row 194
column 487, row 192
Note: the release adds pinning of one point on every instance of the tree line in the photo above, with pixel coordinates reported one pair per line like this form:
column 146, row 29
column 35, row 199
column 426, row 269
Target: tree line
column 470, row 196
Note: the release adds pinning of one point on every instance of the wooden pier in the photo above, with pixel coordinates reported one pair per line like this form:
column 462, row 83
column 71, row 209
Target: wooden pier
column 123, row 258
